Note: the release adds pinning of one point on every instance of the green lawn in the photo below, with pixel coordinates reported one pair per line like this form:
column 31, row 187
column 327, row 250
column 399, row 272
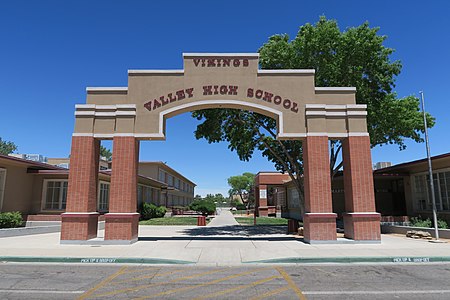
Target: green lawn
column 261, row 221
column 171, row 221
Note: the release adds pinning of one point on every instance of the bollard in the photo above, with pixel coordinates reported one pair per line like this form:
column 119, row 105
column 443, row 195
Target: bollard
column 201, row 221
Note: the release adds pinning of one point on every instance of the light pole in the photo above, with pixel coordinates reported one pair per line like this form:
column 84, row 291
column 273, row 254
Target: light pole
column 430, row 169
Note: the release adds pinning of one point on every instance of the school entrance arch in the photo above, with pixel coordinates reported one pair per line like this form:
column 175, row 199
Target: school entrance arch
column 138, row 112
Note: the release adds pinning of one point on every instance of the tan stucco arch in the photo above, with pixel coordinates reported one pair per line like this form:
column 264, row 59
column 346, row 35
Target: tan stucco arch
column 220, row 80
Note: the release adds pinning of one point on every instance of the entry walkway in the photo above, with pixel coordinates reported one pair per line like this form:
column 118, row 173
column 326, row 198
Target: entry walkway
column 217, row 245
column 224, row 218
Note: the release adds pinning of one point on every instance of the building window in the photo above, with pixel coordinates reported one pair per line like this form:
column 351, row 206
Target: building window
column 422, row 192
column 145, row 194
column 170, row 180
column 162, row 176
column 55, row 194
column 103, row 197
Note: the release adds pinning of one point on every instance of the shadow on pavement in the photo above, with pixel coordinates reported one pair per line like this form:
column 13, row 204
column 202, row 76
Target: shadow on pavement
column 230, row 233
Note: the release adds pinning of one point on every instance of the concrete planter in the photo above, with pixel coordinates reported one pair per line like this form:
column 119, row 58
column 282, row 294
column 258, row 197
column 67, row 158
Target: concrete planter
column 37, row 227
column 7, row 232
column 443, row 233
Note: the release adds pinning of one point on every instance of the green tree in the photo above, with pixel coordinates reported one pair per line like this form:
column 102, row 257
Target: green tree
column 203, row 206
column 241, row 185
column 354, row 57
column 7, row 147
column 105, row 152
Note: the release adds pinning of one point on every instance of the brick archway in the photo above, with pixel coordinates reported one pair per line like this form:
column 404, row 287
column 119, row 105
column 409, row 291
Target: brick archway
column 138, row 112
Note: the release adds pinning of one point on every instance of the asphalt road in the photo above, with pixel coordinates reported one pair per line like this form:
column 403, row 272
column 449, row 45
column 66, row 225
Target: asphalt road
column 75, row 281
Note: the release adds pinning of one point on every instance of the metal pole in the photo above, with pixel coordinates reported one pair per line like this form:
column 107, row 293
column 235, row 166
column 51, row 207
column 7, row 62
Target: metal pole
column 430, row 169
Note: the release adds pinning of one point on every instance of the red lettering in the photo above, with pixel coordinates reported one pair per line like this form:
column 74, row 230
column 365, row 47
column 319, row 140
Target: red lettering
column 156, row 104
column 190, row 92
column 148, row 105
column 226, row 62
column 216, row 90
column 287, row 103
column 221, row 62
column 258, row 94
column 171, row 98
column 163, row 100
column 207, row 90
column 250, row 92
column 232, row 90
column 294, row 107
column 267, row 97
column 277, row 100
column 211, row 62
column 180, row 95
column 223, row 90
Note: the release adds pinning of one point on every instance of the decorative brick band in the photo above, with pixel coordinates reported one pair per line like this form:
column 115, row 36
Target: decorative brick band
column 321, row 215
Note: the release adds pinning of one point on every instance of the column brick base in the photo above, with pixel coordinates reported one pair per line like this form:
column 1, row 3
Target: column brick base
column 79, row 226
column 362, row 226
column 121, row 226
column 319, row 227
column 292, row 226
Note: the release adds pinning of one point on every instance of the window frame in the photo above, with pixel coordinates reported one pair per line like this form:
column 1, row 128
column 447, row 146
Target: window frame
column 44, row 195
column 100, row 182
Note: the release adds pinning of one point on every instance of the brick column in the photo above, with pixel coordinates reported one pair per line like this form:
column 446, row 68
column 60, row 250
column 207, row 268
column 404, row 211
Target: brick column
column 262, row 203
column 361, row 222
column 79, row 222
column 319, row 221
column 121, row 223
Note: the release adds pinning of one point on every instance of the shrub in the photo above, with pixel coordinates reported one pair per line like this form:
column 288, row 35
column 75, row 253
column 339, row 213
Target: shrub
column 427, row 223
column 150, row 211
column 442, row 224
column 204, row 207
column 241, row 206
column 10, row 219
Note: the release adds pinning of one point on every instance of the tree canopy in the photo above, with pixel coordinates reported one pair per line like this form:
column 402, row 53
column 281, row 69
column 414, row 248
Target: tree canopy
column 355, row 57
column 241, row 185
column 7, row 147
column 105, row 152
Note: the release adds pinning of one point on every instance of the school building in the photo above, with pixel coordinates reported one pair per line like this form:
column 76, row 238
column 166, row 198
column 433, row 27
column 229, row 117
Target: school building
column 39, row 190
column 401, row 191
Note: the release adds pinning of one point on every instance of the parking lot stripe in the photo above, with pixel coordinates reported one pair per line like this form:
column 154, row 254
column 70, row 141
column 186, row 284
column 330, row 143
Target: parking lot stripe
column 202, row 284
column 103, row 283
column 241, row 287
column 141, row 287
column 291, row 283
column 271, row 293
column 147, row 277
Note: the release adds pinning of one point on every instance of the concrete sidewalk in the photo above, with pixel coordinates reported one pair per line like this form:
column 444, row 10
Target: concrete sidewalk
column 224, row 218
column 219, row 245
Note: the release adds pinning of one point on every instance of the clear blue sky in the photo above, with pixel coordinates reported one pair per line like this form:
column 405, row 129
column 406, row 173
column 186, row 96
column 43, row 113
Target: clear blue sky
column 50, row 51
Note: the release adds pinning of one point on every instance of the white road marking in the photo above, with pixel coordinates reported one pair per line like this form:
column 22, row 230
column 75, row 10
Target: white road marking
column 374, row 292
column 39, row 292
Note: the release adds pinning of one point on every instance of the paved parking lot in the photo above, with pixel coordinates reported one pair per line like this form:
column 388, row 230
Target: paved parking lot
column 76, row 281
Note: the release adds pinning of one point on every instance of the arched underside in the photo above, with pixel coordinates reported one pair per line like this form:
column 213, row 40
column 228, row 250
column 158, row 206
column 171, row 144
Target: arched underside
column 210, row 104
